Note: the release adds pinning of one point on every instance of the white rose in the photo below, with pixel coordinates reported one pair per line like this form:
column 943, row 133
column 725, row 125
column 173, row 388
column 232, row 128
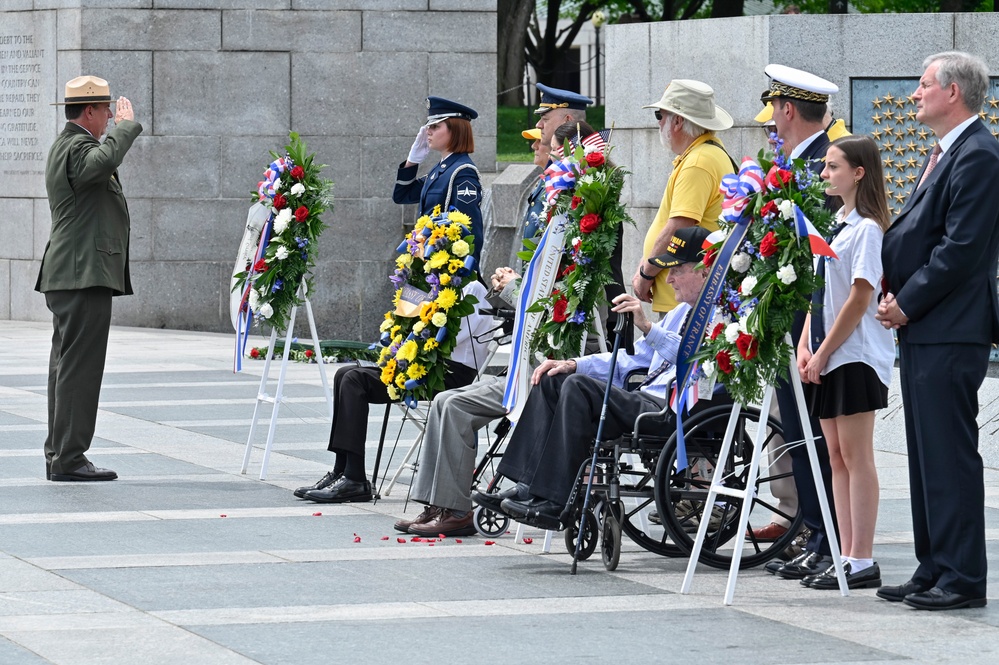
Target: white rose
column 266, row 310
column 732, row 333
column 786, row 274
column 254, row 299
column 748, row 284
column 741, row 262
column 786, row 209
column 281, row 253
column 708, row 368
column 276, row 187
column 297, row 189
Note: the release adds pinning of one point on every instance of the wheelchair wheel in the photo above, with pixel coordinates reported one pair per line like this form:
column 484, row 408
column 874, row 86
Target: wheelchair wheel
column 489, row 523
column 610, row 537
column 589, row 535
column 636, row 520
column 680, row 495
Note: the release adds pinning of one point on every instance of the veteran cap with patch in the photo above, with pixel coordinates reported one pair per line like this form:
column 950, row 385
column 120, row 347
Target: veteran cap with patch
column 686, row 246
column 792, row 83
column 554, row 98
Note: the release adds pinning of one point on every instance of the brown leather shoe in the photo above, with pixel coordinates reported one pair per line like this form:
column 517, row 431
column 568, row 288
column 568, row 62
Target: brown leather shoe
column 445, row 523
column 429, row 512
column 769, row 533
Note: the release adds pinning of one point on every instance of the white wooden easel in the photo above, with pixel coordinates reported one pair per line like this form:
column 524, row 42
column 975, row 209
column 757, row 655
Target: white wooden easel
column 718, row 488
column 264, row 397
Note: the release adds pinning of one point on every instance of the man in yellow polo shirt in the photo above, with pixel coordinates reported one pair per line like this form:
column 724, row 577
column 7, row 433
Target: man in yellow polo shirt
column 688, row 119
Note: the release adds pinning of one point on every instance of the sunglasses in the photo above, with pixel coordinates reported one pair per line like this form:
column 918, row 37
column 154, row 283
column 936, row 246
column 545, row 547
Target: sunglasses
column 659, row 115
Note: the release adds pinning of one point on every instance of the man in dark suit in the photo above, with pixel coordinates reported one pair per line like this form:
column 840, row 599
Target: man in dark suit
column 85, row 263
column 940, row 267
column 800, row 102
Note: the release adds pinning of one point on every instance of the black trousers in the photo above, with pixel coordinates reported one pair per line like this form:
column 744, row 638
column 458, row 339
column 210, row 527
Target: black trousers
column 808, row 498
column 354, row 388
column 81, row 321
column 558, row 425
column 940, row 385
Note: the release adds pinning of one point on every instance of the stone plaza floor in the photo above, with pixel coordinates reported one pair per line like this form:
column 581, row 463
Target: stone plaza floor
column 184, row 560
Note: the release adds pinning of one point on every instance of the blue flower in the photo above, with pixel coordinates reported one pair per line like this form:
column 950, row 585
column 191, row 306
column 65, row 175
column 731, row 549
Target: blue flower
column 578, row 317
column 278, row 283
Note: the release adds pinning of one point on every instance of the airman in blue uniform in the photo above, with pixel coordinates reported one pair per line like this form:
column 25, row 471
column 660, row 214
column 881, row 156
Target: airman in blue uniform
column 454, row 182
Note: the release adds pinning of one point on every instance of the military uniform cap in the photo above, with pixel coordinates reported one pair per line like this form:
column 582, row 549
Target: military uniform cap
column 440, row 109
column 788, row 82
column 553, row 98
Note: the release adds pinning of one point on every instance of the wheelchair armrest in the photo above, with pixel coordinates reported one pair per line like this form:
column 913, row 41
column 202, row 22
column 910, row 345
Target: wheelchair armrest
column 635, row 432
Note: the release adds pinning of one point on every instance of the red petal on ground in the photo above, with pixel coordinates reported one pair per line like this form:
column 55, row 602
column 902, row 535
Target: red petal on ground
column 528, row 541
column 223, row 516
column 384, row 537
column 490, row 542
column 357, row 539
column 317, row 514
column 457, row 540
column 400, row 540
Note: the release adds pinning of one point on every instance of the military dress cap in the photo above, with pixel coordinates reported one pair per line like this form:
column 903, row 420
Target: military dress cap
column 553, row 98
column 533, row 134
column 686, row 246
column 694, row 101
column 797, row 84
column 86, row 90
column 440, row 109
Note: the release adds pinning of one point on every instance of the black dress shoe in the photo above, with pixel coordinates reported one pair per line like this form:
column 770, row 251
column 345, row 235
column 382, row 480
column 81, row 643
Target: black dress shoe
column 536, row 512
column 773, row 566
column 940, row 599
column 494, row 500
column 324, row 482
column 86, row 473
column 805, row 564
column 898, row 592
column 868, row 578
column 343, row 490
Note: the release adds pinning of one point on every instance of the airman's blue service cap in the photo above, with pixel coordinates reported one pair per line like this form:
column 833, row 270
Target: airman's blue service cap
column 553, row 98
column 439, row 109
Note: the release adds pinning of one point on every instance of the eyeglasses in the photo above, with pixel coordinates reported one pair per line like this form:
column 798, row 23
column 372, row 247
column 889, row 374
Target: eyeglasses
column 768, row 130
column 659, row 115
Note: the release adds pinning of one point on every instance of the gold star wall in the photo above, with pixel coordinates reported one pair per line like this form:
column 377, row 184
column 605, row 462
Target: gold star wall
column 886, row 111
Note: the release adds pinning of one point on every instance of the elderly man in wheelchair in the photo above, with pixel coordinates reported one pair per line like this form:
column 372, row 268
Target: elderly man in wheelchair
column 561, row 417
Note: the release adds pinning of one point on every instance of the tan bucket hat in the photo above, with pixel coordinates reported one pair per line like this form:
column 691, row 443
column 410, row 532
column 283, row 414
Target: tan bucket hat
column 86, row 90
column 694, row 101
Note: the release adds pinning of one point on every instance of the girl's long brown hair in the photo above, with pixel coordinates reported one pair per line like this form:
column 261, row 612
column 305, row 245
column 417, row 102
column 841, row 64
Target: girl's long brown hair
column 861, row 151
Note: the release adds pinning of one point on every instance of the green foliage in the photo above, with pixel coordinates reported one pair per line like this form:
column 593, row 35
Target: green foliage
column 511, row 146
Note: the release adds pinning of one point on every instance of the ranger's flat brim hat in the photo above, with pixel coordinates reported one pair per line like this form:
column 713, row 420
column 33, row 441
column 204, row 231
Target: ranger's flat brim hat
column 694, row 101
column 440, row 109
column 86, row 90
column 554, row 98
column 532, row 134
column 788, row 82
column 686, row 246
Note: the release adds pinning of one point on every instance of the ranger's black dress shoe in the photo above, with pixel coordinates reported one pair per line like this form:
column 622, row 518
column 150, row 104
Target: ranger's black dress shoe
column 86, row 473
column 324, row 482
column 898, row 592
column 868, row 578
column 805, row 564
column 343, row 490
column 494, row 500
column 536, row 512
column 939, row 599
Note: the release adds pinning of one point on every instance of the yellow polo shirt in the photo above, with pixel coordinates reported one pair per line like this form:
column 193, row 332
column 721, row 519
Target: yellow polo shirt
column 837, row 130
column 692, row 191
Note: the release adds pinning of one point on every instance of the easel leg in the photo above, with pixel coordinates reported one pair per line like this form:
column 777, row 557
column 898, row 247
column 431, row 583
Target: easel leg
column 261, row 397
column 279, row 395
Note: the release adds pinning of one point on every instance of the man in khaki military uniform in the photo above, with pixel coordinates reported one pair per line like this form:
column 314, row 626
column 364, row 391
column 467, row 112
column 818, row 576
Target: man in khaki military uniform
column 84, row 265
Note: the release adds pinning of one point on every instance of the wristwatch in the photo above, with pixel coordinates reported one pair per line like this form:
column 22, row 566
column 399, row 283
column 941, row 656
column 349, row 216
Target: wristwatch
column 641, row 272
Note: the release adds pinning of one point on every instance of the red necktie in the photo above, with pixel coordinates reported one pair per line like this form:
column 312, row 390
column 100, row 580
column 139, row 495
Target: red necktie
column 932, row 164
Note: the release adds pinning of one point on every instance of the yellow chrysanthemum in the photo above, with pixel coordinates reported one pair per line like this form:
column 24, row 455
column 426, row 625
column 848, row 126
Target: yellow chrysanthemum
column 388, row 373
column 453, row 232
column 396, row 297
column 384, row 354
column 395, row 331
column 418, row 327
column 430, row 344
column 397, row 340
column 404, row 260
column 436, row 236
column 437, row 210
column 400, row 381
column 439, row 320
column 392, row 393
column 460, row 248
column 416, row 371
column 455, row 265
column 407, row 351
column 447, row 298
column 386, row 324
column 389, row 316
column 422, row 221
column 438, row 259
column 459, row 218
column 445, row 279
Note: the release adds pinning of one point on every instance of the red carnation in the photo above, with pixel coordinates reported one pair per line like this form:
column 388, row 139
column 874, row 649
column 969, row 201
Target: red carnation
column 575, row 202
column 724, row 362
column 747, row 345
column 589, row 223
column 719, row 327
column 298, row 173
column 769, row 208
column 595, row 158
column 254, row 353
column 309, row 353
column 778, row 178
column 558, row 312
column 280, row 201
column 769, row 246
column 260, row 266
column 568, row 269
column 302, row 213
column 709, row 257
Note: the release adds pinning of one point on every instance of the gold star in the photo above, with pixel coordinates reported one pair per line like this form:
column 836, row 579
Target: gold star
column 889, row 114
column 888, row 194
column 900, row 197
column 993, row 118
column 877, row 102
column 888, row 178
column 911, row 177
column 911, row 100
column 899, row 134
column 899, row 182
column 876, row 134
column 888, row 97
column 922, row 134
column 910, row 146
column 900, row 149
column 899, row 102
column 900, row 166
column 888, row 162
column 922, row 150
column 899, row 118
column 911, row 115
column 993, row 103
column 981, row 114
column 876, row 118
column 911, row 162
column 887, row 145
column 910, row 130
column 995, row 133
